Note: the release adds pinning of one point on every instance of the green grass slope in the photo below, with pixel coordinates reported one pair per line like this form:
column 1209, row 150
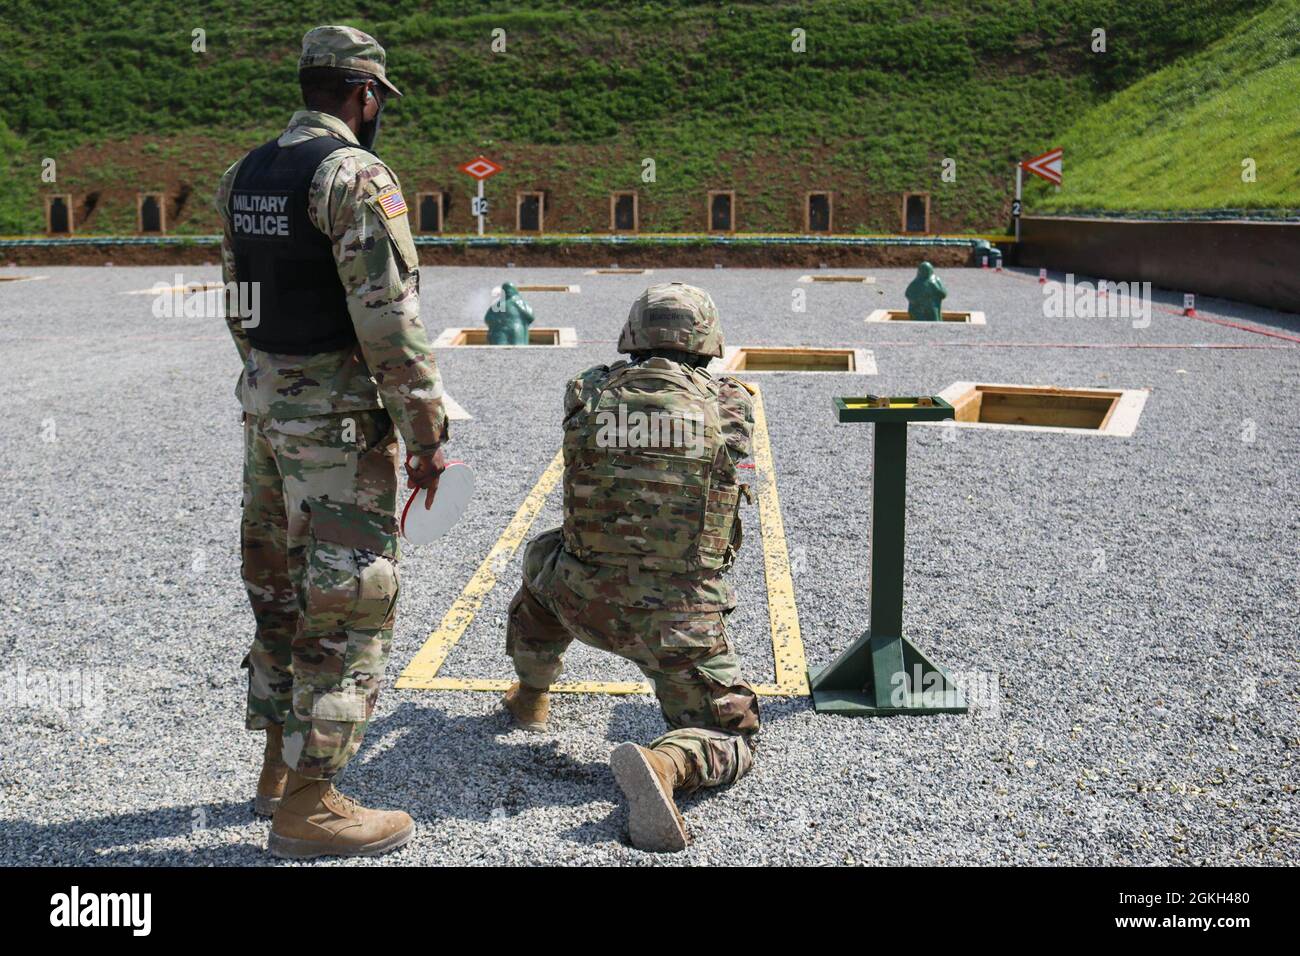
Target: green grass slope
column 1175, row 140
column 583, row 93
column 20, row 173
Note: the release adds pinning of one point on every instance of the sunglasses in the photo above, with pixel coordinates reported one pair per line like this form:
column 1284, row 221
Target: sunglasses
column 378, row 91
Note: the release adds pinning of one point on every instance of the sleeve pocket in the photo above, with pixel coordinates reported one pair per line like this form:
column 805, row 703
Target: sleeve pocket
column 398, row 230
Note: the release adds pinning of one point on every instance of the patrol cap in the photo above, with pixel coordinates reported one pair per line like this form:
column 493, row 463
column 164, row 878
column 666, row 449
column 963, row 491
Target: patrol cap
column 345, row 48
column 673, row 315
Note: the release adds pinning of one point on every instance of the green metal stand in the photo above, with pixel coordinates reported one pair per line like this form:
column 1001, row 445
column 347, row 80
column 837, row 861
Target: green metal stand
column 883, row 673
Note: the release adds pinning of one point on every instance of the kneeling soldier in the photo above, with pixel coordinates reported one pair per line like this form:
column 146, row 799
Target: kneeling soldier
column 651, row 526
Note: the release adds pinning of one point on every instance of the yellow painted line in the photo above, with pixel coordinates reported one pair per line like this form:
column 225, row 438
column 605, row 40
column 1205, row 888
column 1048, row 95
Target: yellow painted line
column 783, row 616
column 615, row 687
column 438, row 645
column 787, row 639
column 563, row 687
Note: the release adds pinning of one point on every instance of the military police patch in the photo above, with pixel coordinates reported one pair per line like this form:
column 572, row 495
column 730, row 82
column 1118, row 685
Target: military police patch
column 391, row 202
column 260, row 215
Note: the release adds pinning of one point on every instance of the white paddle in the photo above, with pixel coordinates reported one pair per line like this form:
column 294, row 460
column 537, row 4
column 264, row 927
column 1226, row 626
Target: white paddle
column 455, row 488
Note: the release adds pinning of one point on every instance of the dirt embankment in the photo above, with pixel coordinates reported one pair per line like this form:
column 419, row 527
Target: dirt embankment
column 584, row 255
column 105, row 176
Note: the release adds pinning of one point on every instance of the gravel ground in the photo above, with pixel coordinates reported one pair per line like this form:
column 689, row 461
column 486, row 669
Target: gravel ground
column 1123, row 610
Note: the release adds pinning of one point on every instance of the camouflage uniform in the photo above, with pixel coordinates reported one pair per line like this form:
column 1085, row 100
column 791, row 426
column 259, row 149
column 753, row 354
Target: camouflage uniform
column 319, row 538
column 638, row 569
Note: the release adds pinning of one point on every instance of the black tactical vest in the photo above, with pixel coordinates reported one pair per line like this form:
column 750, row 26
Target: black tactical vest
column 302, row 306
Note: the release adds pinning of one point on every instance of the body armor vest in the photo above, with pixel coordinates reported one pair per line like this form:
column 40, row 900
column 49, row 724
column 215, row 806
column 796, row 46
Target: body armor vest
column 648, row 481
column 302, row 306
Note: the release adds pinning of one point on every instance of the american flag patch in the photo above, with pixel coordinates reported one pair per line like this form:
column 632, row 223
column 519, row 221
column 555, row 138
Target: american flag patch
column 392, row 203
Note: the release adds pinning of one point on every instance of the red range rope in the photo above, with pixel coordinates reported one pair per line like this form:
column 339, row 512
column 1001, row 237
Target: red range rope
column 1077, row 345
column 1201, row 318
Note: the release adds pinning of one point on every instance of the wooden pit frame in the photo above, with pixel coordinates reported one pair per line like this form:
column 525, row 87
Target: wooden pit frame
column 162, row 212
column 636, row 210
column 441, row 195
column 72, row 217
column 902, row 225
column 708, row 210
column 520, row 196
column 830, row 211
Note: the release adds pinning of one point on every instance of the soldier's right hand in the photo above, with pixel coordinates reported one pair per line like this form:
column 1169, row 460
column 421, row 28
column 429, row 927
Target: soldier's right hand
column 423, row 472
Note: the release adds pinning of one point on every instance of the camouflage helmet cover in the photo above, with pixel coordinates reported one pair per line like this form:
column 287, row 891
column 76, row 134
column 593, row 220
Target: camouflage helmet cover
column 345, row 48
column 673, row 316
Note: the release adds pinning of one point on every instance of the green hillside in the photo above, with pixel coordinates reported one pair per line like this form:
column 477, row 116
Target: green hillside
column 1176, row 140
column 885, row 90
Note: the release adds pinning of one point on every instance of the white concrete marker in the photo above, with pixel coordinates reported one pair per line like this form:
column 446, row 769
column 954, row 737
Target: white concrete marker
column 455, row 411
column 160, row 289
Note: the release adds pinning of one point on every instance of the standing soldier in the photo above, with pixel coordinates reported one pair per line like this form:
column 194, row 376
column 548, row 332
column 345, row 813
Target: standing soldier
column 651, row 526
column 336, row 364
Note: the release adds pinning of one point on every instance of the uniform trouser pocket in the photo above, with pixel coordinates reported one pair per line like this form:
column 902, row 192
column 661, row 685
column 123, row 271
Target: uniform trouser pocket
column 713, row 713
column 698, row 678
column 679, row 640
column 532, row 622
column 350, row 590
column 732, row 701
column 535, row 640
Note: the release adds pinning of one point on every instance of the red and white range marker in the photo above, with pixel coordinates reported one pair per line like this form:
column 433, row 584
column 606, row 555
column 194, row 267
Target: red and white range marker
column 1047, row 166
column 1189, row 304
column 480, row 168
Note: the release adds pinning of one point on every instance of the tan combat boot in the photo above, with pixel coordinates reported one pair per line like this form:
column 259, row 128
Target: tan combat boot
column 314, row 819
column 530, row 708
column 648, row 778
column 270, row 785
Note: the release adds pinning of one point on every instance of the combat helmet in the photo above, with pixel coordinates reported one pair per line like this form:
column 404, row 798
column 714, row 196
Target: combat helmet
column 673, row 316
